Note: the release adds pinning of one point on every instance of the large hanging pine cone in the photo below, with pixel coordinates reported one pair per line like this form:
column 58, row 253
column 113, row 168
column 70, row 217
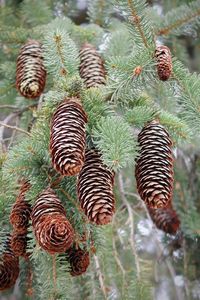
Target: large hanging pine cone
column 164, row 62
column 18, row 243
column 95, row 189
column 52, row 230
column 68, row 137
column 79, row 261
column 165, row 219
column 91, row 66
column 21, row 210
column 9, row 269
column 30, row 74
column 154, row 166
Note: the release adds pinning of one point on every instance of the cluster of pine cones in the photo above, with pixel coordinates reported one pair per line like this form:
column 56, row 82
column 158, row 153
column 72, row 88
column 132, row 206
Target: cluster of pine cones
column 70, row 157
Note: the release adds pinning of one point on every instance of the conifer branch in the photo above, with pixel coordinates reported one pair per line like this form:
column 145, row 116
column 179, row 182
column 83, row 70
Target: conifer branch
column 136, row 20
column 166, row 30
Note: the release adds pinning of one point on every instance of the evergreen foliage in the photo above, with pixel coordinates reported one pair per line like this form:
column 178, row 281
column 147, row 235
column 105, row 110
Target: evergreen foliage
column 125, row 33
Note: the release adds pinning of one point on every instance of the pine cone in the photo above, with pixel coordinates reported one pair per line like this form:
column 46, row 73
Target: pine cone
column 18, row 243
column 91, row 67
column 79, row 261
column 164, row 62
column 21, row 210
column 52, row 230
column 30, row 74
column 9, row 268
column 154, row 167
column 68, row 138
column 95, row 189
column 165, row 219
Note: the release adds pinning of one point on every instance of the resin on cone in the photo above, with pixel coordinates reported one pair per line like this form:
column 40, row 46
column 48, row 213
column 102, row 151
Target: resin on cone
column 79, row 261
column 52, row 230
column 68, row 137
column 165, row 219
column 91, row 68
column 21, row 210
column 154, row 166
column 31, row 73
column 95, row 189
column 164, row 62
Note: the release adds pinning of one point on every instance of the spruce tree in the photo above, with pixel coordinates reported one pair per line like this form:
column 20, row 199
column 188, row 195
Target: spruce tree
column 99, row 149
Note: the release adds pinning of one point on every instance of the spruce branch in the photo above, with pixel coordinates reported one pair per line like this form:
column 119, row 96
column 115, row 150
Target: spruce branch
column 175, row 20
column 113, row 137
column 60, row 53
column 137, row 22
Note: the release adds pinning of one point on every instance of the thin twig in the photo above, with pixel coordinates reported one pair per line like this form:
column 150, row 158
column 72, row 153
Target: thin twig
column 168, row 263
column 131, row 238
column 8, row 106
column 15, row 128
column 118, row 261
column 100, row 275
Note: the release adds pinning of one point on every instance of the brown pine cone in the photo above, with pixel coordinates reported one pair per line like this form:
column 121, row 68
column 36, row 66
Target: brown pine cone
column 18, row 243
column 31, row 73
column 79, row 261
column 165, row 219
column 91, row 68
column 9, row 268
column 21, row 210
column 164, row 62
column 95, row 189
column 52, row 230
column 68, row 137
column 154, row 166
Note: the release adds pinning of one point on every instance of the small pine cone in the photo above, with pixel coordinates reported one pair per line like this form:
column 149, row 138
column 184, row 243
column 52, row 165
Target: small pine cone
column 165, row 219
column 52, row 230
column 9, row 268
column 91, row 68
column 18, row 243
column 30, row 74
column 68, row 138
column 21, row 210
column 79, row 261
column 154, row 166
column 95, row 189
column 164, row 62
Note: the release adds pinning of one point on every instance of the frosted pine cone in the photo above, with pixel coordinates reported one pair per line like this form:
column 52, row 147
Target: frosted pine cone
column 21, row 210
column 9, row 269
column 95, row 189
column 52, row 230
column 30, row 74
column 18, row 243
column 154, row 166
column 164, row 62
column 91, row 68
column 68, row 137
column 165, row 219
column 79, row 261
